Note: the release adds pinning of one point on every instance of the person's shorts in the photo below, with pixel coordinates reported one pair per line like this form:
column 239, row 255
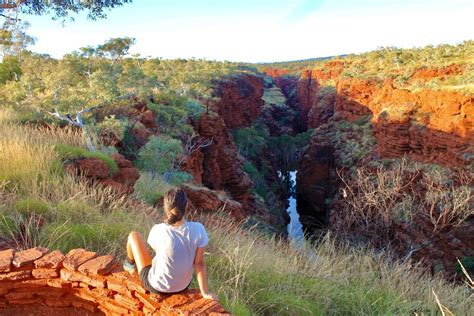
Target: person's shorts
column 147, row 286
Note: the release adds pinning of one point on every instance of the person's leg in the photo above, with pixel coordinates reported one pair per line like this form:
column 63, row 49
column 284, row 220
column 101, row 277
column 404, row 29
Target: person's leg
column 137, row 251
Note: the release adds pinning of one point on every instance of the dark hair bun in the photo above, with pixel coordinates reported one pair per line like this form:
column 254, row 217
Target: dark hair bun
column 173, row 219
column 175, row 202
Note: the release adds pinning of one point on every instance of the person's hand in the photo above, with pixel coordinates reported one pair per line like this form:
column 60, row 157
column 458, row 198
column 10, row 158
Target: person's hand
column 210, row 296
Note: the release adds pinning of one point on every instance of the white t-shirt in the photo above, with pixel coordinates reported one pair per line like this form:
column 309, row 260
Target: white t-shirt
column 175, row 249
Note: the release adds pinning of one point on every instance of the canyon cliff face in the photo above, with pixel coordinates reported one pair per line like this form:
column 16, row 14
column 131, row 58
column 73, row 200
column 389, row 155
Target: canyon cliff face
column 315, row 174
column 217, row 166
column 428, row 125
column 431, row 126
column 239, row 100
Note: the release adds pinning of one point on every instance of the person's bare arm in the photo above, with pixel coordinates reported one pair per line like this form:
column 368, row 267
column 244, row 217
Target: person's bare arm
column 200, row 269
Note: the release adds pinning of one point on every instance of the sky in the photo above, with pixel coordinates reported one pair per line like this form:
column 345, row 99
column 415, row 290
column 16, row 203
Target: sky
column 262, row 30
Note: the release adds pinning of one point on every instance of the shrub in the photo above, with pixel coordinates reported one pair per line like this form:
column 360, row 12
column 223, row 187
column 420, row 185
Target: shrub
column 250, row 141
column 159, row 155
column 71, row 152
column 151, row 188
column 374, row 200
column 112, row 126
column 29, row 206
column 9, row 69
column 23, row 230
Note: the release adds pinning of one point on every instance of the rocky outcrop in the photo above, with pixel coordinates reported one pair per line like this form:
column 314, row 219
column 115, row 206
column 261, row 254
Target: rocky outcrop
column 122, row 181
column 205, row 200
column 239, row 99
column 431, row 126
column 439, row 252
column 219, row 167
column 425, row 74
column 38, row 282
column 307, row 89
column 314, row 103
column 280, row 120
column 313, row 187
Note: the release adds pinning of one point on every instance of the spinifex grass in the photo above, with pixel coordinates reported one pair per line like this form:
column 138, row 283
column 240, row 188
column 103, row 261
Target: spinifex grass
column 254, row 275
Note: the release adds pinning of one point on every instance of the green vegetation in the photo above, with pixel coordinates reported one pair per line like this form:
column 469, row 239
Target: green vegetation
column 46, row 205
column 400, row 65
column 273, row 97
column 101, row 74
column 62, row 9
column 375, row 201
column 159, row 157
column 71, row 152
column 30, row 206
column 255, row 275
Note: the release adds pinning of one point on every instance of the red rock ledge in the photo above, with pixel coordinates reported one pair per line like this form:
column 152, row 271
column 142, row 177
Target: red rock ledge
column 38, row 282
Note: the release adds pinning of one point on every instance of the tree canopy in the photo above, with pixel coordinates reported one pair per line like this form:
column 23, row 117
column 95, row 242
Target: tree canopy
column 61, row 9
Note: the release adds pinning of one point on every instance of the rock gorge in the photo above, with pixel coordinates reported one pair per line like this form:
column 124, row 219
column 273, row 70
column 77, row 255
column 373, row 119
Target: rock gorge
column 424, row 125
column 429, row 126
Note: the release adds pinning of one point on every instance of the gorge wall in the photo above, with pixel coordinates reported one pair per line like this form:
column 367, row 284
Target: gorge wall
column 430, row 126
column 218, row 166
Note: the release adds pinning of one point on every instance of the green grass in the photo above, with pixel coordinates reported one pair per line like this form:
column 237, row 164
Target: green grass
column 273, row 97
column 254, row 275
column 28, row 205
column 71, row 152
column 151, row 189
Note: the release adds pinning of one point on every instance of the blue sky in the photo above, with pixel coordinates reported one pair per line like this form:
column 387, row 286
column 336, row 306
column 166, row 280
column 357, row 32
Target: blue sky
column 262, row 30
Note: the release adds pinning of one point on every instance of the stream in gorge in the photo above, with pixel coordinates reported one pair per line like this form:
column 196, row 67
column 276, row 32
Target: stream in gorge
column 294, row 228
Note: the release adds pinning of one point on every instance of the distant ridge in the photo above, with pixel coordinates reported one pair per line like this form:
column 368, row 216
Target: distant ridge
column 300, row 60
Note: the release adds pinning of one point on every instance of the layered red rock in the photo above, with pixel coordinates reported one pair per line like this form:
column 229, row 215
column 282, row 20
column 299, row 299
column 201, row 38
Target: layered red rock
column 203, row 199
column 122, row 181
column 307, row 89
column 52, row 260
column 426, row 73
column 432, row 126
column 221, row 165
column 6, row 257
column 26, row 257
column 240, row 99
column 99, row 265
column 76, row 257
column 60, row 291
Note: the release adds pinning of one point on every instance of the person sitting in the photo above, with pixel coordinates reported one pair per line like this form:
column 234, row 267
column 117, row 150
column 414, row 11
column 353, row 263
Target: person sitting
column 179, row 247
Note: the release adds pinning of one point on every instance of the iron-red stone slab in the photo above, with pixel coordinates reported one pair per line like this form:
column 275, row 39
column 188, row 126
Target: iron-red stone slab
column 25, row 257
column 17, row 275
column 100, row 265
column 76, row 257
column 6, row 257
column 71, row 276
column 45, row 273
column 52, row 260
